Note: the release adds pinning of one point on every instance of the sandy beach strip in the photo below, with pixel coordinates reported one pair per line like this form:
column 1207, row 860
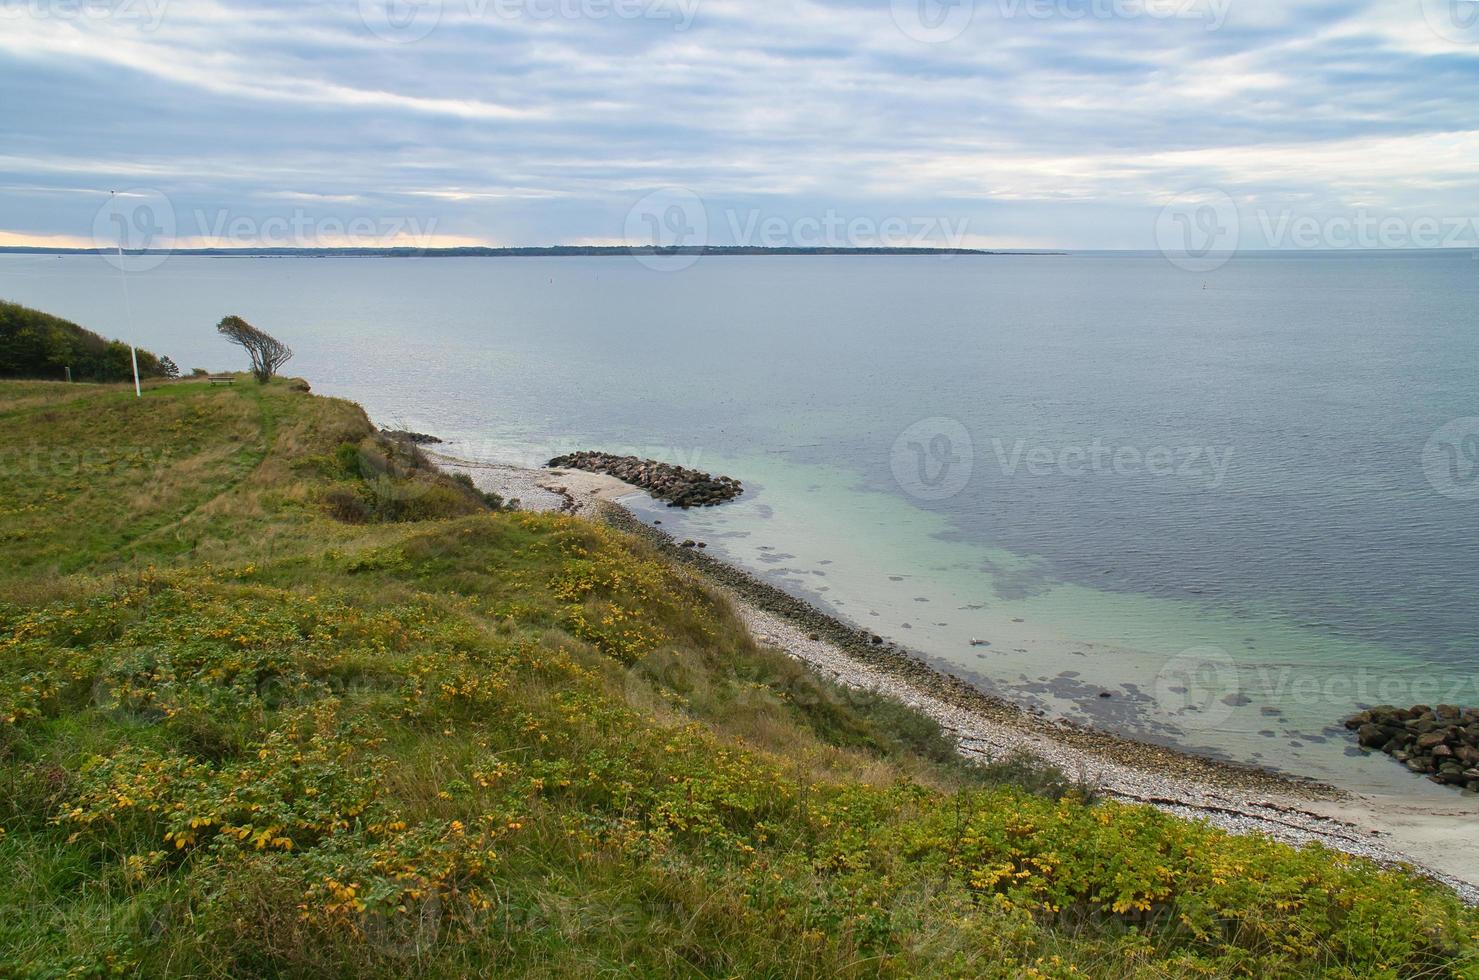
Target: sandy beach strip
column 1433, row 839
column 569, row 491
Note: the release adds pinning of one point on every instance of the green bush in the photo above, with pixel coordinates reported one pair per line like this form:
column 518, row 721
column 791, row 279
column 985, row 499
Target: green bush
column 392, row 480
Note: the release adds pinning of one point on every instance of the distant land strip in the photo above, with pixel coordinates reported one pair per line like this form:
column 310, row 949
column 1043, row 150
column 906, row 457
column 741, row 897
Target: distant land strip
column 523, row 252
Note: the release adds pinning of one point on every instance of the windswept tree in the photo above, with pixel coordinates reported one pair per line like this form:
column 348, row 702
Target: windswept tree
column 267, row 352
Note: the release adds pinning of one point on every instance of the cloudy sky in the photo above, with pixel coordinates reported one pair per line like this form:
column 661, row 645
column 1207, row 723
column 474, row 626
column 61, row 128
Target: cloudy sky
column 993, row 123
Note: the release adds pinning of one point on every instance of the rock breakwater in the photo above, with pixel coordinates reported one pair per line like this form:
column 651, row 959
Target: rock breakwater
column 1441, row 743
column 678, row 485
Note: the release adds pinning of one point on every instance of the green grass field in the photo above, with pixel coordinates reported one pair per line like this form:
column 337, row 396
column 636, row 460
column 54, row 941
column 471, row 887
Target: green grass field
column 276, row 700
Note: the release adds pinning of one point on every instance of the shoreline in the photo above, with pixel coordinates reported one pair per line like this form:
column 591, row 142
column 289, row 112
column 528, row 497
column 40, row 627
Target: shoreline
column 1234, row 796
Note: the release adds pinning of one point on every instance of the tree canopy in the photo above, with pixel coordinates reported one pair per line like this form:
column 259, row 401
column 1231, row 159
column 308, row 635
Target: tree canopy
column 38, row 345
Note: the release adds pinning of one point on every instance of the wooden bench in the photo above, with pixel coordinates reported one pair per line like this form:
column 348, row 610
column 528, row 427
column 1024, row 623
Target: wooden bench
column 223, row 379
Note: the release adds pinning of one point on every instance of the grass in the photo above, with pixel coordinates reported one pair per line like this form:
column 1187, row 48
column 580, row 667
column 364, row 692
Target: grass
column 277, row 700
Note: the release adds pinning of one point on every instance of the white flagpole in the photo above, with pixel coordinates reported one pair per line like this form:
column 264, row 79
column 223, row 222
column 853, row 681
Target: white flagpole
column 128, row 306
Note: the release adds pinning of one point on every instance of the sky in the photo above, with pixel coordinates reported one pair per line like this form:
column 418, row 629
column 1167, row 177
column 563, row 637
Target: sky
column 1190, row 125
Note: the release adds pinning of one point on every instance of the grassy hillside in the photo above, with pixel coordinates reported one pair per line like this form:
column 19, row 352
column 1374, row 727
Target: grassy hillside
column 38, row 345
column 277, row 701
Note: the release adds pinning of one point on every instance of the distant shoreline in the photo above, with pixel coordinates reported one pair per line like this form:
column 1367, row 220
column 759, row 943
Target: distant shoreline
column 478, row 252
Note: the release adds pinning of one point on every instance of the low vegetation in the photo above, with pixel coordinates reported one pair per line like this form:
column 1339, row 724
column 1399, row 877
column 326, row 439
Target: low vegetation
column 277, row 699
column 38, row 345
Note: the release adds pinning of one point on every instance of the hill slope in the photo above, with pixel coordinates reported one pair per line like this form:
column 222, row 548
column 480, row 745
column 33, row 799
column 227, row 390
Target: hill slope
column 38, row 345
column 276, row 700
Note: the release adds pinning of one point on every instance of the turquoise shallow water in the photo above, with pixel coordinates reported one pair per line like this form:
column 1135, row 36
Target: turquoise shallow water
column 1240, row 502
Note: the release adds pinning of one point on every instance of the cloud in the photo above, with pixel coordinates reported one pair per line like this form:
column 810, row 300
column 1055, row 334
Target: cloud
column 1065, row 123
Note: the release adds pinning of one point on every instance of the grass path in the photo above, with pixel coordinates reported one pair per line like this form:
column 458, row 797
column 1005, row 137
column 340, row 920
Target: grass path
column 249, row 461
column 88, row 483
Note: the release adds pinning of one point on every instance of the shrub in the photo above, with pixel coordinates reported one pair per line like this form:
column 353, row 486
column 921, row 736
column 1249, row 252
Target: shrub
column 396, row 482
column 494, row 501
column 344, row 504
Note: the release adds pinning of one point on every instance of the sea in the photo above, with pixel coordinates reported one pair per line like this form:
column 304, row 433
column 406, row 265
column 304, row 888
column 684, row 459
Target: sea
column 1219, row 510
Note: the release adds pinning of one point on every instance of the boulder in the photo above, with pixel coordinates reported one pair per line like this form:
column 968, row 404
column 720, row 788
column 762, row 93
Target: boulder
column 1451, row 774
column 1371, row 736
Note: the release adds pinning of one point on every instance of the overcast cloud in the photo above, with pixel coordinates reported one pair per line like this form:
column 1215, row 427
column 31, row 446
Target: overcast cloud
column 1034, row 123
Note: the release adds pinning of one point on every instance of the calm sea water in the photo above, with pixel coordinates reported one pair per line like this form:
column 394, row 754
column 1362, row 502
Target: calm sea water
column 1241, row 503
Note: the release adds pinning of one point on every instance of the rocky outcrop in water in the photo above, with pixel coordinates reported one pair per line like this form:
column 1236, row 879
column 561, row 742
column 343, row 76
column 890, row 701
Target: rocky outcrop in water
column 678, row 485
column 1441, row 743
column 418, row 438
